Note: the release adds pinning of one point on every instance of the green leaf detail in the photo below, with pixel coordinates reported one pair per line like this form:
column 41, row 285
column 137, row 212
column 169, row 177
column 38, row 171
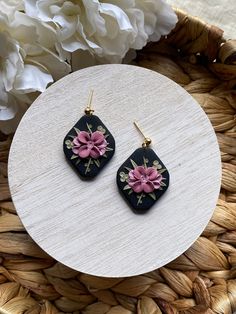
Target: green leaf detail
column 153, row 196
column 139, row 201
column 163, row 184
column 74, row 156
column 133, row 163
column 162, row 170
column 145, row 161
column 139, row 197
column 108, row 149
column 87, row 165
column 97, row 162
column 76, row 130
column 89, row 126
column 78, row 161
column 72, row 136
column 104, row 155
column 127, row 168
column 106, row 136
column 130, row 192
column 127, row 187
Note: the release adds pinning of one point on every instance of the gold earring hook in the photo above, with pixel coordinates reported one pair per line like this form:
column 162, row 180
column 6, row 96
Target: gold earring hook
column 147, row 141
column 88, row 110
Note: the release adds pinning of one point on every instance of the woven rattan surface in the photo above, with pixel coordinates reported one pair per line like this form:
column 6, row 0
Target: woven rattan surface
column 202, row 280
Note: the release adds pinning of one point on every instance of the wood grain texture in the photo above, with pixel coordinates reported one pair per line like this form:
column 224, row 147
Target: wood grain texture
column 87, row 225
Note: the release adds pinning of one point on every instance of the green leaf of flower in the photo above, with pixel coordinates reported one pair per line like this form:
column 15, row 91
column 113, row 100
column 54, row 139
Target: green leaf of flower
column 133, row 163
column 76, row 130
column 162, row 170
column 74, row 156
column 145, row 161
column 127, row 168
column 153, row 196
column 139, row 197
column 78, row 161
column 97, row 162
column 71, row 136
column 127, row 187
column 89, row 126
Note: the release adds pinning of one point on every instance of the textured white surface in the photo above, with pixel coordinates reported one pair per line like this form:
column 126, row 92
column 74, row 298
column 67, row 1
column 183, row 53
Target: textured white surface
column 87, row 225
column 220, row 13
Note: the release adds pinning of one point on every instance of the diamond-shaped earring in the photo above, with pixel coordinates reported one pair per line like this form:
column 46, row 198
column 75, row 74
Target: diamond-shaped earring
column 89, row 145
column 142, row 178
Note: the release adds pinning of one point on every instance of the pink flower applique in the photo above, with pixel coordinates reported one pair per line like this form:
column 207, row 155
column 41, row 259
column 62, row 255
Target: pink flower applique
column 89, row 145
column 143, row 179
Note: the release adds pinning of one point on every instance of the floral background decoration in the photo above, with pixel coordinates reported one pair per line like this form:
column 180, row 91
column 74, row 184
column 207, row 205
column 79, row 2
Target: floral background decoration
column 44, row 40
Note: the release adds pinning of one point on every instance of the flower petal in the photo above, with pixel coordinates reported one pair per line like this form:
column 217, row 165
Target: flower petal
column 76, row 142
column 75, row 150
column 97, row 137
column 148, row 187
column 103, row 145
column 84, row 137
column 55, row 64
column 84, row 151
column 95, row 152
column 151, row 173
column 137, row 187
column 32, row 79
column 131, row 175
column 156, row 184
column 139, row 171
column 102, row 151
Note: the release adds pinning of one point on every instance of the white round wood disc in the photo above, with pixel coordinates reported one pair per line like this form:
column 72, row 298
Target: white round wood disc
column 87, row 225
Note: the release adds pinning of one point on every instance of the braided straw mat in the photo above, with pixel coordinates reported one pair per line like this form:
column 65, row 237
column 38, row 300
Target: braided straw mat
column 202, row 280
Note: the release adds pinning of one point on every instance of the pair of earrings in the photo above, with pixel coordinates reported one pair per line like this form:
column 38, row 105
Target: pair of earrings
column 88, row 146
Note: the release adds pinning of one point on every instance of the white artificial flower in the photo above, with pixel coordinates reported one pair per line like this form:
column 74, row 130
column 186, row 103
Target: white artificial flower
column 39, row 37
column 106, row 29
column 28, row 62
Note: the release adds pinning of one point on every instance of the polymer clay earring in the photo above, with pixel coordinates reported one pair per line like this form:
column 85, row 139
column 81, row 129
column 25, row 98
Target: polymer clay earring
column 142, row 178
column 89, row 145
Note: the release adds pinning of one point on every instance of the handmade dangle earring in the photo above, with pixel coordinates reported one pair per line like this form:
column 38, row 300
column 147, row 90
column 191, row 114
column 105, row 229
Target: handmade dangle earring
column 89, row 145
column 142, row 178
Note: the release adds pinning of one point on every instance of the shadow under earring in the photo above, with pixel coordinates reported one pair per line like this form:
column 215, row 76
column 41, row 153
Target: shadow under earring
column 142, row 178
column 89, row 145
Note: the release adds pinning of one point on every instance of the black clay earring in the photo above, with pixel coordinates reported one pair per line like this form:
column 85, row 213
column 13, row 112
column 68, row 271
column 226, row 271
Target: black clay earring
column 142, row 178
column 89, row 145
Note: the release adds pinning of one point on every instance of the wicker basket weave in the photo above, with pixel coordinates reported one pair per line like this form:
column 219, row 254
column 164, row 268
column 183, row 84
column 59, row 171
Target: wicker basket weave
column 202, row 280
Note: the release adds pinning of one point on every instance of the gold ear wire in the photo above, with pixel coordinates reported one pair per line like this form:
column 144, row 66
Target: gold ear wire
column 147, row 141
column 88, row 110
